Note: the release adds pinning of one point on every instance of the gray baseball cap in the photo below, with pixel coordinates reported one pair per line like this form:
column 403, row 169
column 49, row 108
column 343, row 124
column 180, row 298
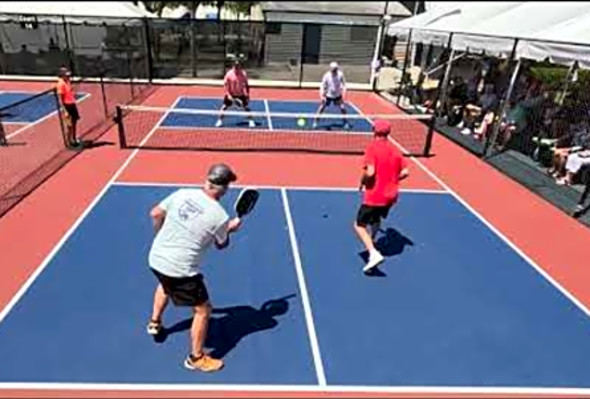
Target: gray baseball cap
column 221, row 174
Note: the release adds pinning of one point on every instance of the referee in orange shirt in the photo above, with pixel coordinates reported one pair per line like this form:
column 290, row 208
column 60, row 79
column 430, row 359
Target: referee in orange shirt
column 67, row 101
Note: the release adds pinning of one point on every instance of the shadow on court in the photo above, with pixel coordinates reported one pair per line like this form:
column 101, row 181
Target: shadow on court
column 390, row 243
column 228, row 326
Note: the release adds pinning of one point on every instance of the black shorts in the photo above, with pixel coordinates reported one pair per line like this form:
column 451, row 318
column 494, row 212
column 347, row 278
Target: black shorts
column 229, row 102
column 368, row 214
column 336, row 100
column 185, row 291
column 72, row 111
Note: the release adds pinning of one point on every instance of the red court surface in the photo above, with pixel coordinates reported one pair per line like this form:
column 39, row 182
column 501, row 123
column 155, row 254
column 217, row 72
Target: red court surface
column 552, row 242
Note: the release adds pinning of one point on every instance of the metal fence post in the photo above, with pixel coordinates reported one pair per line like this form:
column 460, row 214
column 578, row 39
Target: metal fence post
column 489, row 145
column 60, row 117
column 69, row 49
column 148, row 50
column 104, row 97
column 302, row 55
column 444, row 83
column 429, row 136
column 406, row 60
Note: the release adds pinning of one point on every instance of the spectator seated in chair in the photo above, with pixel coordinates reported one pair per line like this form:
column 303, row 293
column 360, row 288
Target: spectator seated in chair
column 570, row 159
column 477, row 112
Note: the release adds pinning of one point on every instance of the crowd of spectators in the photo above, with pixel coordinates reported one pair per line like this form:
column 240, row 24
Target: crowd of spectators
column 549, row 124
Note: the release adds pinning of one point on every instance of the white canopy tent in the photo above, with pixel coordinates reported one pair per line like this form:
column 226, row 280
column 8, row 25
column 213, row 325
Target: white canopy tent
column 564, row 43
column 113, row 9
column 493, row 27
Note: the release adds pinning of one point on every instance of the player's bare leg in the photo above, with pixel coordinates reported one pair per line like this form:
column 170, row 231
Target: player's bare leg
column 344, row 112
column 375, row 257
column 320, row 111
column 198, row 359
column 250, row 118
column 160, row 303
column 219, row 122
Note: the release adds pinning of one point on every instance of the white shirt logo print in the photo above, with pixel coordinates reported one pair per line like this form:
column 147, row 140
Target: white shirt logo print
column 189, row 210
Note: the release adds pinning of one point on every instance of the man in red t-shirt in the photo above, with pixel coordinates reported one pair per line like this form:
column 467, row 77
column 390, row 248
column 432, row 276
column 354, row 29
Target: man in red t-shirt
column 384, row 167
column 237, row 91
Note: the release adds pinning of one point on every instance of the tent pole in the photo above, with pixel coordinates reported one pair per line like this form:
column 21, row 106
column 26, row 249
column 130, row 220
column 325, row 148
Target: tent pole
column 496, row 128
column 445, row 81
column 401, row 81
column 376, row 55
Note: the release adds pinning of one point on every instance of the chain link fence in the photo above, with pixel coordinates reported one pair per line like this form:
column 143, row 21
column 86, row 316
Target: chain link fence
column 182, row 48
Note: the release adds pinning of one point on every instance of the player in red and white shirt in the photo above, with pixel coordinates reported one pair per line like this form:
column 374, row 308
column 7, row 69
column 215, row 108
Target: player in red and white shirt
column 237, row 91
column 384, row 168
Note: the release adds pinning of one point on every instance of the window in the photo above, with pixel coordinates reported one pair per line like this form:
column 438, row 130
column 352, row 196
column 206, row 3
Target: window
column 362, row 33
column 273, row 28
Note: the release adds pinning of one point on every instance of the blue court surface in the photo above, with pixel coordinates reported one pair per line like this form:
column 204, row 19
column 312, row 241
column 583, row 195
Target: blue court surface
column 30, row 111
column 452, row 306
column 271, row 119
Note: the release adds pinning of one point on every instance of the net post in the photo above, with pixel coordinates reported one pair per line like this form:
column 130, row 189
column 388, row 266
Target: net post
column 120, row 127
column 429, row 136
column 60, row 117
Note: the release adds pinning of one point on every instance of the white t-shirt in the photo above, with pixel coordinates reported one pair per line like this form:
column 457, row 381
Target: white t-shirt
column 332, row 84
column 194, row 221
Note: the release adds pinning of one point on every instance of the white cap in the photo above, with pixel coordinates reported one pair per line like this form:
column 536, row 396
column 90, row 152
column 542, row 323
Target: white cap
column 333, row 65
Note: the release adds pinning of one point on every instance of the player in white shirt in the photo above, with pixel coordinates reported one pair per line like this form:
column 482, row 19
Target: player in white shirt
column 332, row 90
column 187, row 223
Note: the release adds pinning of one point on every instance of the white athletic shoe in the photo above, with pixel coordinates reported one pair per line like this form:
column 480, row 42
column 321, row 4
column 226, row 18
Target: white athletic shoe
column 252, row 123
column 375, row 259
column 315, row 125
column 219, row 123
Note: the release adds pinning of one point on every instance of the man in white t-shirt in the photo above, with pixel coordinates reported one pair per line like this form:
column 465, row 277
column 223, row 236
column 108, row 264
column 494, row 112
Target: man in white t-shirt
column 332, row 90
column 187, row 223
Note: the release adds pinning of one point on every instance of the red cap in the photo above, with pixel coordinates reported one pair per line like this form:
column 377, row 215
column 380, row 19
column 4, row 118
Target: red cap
column 381, row 127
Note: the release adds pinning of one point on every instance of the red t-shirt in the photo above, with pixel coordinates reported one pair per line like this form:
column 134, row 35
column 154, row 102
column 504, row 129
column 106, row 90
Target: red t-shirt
column 65, row 91
column 236, row 83
column 388, row 162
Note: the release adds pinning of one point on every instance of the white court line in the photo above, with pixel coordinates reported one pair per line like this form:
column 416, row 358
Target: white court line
column 29, row 125
column 268, row 118
column 23, row 289
column 493, row 228
column 270, row 187
column 530, row 391
column 311, row 332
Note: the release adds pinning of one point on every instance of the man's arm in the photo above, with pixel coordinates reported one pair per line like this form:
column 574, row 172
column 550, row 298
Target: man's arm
column 226, row 86
column 324, row 87
column 158, row 212
column 222, row 234
column 343, row 86
column 158, row 216
column 404, row 173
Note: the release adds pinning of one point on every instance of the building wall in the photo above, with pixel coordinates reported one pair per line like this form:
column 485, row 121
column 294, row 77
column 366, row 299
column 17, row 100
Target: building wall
column 348, row 45
column 285, row 45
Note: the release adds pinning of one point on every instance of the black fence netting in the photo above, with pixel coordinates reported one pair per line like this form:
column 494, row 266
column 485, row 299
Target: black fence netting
column 166, row 48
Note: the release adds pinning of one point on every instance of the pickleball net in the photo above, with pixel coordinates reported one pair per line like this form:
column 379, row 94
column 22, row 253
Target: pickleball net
column 195, row 129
